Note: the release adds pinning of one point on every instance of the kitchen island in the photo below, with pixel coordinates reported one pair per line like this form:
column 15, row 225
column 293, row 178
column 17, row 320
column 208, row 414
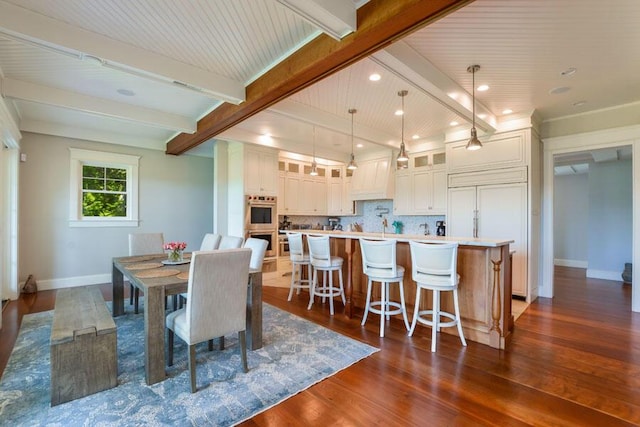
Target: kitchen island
column 484, row 292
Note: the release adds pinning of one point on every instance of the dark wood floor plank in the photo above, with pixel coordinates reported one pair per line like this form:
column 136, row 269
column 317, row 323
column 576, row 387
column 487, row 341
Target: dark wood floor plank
column 573, row 361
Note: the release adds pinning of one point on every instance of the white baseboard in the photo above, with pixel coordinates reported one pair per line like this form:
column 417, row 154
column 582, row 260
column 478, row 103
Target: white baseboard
column 72, row 282
column 570, row 263
column 604, row 275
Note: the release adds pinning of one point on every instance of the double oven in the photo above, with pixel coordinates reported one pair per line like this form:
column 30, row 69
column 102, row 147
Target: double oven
column 261, row 221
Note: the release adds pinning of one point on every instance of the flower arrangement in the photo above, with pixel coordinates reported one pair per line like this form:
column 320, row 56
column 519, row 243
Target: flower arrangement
column 398, row 226
column 175, row 250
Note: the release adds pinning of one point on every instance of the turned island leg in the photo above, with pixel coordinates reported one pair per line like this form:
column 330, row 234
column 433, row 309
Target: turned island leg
column 348, row 247
column 496, row 306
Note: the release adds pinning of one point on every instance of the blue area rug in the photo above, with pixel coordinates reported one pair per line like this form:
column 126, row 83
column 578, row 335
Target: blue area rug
column 296, row 354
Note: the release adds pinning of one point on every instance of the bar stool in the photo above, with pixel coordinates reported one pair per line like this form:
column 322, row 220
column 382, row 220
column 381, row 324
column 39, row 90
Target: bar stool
column 379, row 264
column 299, row 260
column 434, row 267
column 321, row 259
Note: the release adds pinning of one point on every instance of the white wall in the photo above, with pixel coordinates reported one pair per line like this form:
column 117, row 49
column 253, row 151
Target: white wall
column 610, row 219
column 570, row 220
column 175, row 197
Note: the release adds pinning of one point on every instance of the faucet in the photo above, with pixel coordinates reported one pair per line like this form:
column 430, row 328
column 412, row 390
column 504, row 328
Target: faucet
column 426, row 229
column 384, row 226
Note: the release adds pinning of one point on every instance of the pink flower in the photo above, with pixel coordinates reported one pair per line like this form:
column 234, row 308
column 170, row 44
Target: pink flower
column 175, row 246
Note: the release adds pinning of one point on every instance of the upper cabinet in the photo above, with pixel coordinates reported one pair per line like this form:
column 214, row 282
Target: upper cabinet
column 374, row 179
column 506, row 150
column 261, row 171
column 300, row 193
column 421, row 189
column 339, row 191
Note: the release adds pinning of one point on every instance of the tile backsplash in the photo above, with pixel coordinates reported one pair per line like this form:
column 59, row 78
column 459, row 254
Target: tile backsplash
column 374, row 211
column 372, row 214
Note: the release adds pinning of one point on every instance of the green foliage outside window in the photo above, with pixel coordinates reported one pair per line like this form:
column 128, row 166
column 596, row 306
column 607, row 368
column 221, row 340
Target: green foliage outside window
column 104, row 191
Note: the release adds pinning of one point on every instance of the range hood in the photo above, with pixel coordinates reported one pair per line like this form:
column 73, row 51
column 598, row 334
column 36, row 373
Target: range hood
column 374, row 179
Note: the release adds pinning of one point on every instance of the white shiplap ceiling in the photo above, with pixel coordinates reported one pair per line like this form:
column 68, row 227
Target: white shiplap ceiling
column 64, row 65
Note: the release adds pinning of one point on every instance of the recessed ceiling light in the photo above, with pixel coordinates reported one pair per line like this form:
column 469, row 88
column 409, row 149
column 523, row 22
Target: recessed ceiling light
column 569, row 72
column 558, row 90
column 399, row 112
column 266, row 137
column 453, row 123
column 452, row 95
column 482, row 116
column 416, row 136
column 126, row 92
column 359, row 145
column 483, row 88
column 374, row 77
column 579, row 103
column 507, row 111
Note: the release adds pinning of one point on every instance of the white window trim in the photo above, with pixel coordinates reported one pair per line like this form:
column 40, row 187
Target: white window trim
column 80, row 157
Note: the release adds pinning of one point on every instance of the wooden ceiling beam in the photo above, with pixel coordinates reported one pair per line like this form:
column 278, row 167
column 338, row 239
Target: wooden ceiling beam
column 380, row 23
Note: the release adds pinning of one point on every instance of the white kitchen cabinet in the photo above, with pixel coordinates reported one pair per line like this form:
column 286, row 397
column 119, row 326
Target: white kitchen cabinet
column 335, row 195
column 260, row 172
column 429, row 195
column 506, row 150
column 421, row 189
column 497, row 211
column 402, row 203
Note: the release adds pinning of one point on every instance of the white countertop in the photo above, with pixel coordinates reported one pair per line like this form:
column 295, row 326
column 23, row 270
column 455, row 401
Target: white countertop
column 467, row 241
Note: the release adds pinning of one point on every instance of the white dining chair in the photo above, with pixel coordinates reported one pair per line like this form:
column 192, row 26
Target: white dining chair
column 216, row 304
column 230, row 242
column 210, row 242
column 258, row 250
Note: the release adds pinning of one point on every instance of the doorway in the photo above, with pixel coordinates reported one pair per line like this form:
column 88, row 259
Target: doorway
column 559, row 146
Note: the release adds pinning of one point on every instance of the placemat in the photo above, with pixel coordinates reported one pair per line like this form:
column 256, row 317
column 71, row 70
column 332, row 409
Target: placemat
column 138, row 258
column 144, row 266
column 183, row 276
column 159, row 272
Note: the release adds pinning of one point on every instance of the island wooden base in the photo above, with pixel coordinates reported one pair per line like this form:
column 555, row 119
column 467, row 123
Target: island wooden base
column 484, row 292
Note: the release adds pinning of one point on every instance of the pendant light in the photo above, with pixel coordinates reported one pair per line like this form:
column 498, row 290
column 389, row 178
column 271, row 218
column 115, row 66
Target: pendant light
column 474, row 143
column 314, row 165
column 402, row 162
column 352, row 163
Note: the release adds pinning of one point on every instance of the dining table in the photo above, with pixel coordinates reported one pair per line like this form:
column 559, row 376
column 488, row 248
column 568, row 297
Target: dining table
column 158, row 278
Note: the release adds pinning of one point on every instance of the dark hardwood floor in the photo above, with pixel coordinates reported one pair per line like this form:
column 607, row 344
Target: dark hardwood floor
column 573, row 361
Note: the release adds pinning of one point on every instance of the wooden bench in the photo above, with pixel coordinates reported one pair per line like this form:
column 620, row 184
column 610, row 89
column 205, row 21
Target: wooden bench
column 83, row 345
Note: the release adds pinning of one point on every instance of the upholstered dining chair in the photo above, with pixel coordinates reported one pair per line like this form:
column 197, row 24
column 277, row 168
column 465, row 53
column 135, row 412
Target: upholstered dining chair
column 258, row 250
column 379, row 265
column 216, row 303
column 143, row 244
column 434, row 267
column 230, row 242
column 210, row 242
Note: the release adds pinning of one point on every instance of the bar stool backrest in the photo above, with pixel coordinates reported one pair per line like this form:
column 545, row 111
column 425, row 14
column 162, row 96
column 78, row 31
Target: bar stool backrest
column 379, row 257
column 296, row 246
column 319, row 250
column 434, row 259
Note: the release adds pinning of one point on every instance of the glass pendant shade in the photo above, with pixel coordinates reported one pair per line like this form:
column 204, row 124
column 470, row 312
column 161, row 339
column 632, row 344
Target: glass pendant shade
column 352, row 162
column 402, row 155
column 473, row 143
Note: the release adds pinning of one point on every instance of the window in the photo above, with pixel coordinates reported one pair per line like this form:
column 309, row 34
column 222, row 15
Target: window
column 104, row 189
